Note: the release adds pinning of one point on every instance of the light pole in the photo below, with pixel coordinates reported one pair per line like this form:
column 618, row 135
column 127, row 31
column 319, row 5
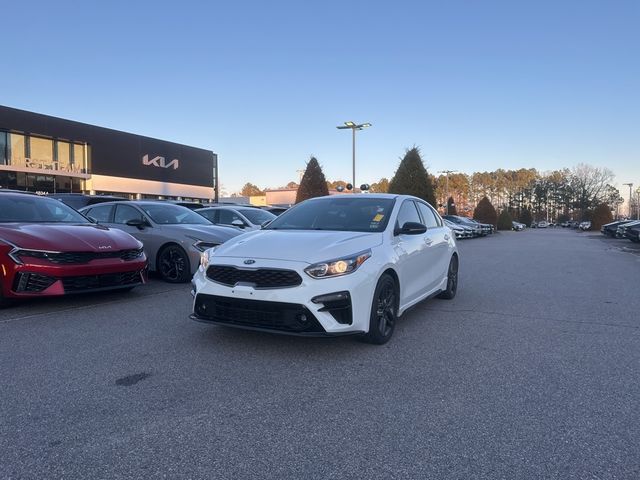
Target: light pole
column 446, row 202
column 638, row 204
column 353, row 126
column 630, row 185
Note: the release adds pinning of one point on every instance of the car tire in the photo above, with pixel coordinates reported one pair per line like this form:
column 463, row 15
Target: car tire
column 384, row 311
column 452, row 280
column 173, row 264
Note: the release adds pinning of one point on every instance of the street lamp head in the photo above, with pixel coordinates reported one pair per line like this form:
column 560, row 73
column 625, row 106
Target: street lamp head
column 353, row 126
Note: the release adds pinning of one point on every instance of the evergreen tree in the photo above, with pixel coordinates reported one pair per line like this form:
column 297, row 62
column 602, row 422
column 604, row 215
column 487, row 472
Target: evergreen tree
column 526, row 217
column 600, row 216
column 451, row 207
column 485, row 213
column 313, row 183
column 504, row 221
column 411, row 178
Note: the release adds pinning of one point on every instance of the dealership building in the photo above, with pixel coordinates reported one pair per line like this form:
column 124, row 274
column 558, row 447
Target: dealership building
column 46, row 154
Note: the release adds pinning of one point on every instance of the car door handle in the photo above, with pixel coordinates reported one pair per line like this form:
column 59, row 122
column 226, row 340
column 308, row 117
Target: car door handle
column 428, row 241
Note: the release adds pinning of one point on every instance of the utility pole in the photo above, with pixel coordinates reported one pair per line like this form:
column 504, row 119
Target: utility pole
column 630, row 185
column 446, row 201
column 637, row 204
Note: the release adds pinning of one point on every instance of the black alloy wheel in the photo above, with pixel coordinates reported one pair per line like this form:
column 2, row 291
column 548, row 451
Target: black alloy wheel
column 173, row 264
column 384, row 311
column 452, row 280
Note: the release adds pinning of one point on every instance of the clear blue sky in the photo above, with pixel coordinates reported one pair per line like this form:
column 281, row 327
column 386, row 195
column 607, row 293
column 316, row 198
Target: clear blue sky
column 477, row 85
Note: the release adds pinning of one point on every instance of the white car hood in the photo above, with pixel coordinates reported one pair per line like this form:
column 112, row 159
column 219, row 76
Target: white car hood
column 306, row 246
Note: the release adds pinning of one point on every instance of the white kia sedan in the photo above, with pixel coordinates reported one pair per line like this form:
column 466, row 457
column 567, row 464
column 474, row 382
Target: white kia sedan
column 336, row 265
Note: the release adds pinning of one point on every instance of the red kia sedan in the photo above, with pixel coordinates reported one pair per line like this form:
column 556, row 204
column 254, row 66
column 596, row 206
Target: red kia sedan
column 47, row 249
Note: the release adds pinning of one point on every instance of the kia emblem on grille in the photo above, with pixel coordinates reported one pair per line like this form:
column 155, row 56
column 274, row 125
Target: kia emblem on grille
column 249, row 262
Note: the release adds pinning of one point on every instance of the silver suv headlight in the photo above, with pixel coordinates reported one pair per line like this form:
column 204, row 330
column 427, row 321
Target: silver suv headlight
column 337, row 267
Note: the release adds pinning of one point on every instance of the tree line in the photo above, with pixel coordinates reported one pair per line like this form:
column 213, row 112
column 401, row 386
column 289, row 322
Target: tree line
column 525, row 194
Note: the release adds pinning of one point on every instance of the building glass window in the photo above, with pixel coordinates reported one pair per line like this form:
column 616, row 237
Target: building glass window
column 63, row 155
column 17, row 150
column 3, row 148
column 40, row 153
column 78, row 158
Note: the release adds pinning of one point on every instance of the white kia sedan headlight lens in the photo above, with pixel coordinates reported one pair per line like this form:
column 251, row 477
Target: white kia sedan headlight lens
column 337, row 267
column 205, row 257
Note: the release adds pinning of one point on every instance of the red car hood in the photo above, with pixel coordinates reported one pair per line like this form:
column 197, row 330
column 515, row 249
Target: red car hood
column 67, row 237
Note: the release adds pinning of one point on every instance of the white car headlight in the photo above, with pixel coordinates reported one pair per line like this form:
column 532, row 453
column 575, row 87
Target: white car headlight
column 337, row 267
column 205, row 257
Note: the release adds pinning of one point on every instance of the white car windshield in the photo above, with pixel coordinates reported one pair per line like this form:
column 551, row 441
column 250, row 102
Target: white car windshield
column 340, row 213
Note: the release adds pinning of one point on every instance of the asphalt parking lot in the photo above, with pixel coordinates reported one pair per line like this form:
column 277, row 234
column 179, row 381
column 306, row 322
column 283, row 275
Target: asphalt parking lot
column 531, row 372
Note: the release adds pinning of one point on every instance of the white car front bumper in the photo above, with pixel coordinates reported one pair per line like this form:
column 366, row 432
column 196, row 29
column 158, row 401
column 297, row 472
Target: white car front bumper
column 298, row 310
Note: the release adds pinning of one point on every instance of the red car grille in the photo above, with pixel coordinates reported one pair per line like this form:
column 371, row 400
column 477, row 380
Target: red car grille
column 35, row 283
column 68, row 258
column 91, row 282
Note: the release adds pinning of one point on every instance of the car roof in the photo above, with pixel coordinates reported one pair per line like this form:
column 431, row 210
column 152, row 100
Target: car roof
column 21, row 192
column 135, row 202
column 229, row 207
column 364, row 195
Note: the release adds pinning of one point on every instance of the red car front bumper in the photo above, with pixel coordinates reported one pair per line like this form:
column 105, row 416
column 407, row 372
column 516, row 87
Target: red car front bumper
column 39, row 277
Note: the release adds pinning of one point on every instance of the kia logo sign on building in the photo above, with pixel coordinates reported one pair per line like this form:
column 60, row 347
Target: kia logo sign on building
column 160, row 162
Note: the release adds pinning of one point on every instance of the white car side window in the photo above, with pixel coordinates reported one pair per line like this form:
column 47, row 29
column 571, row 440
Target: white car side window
column 408, row 213
column 430, row 219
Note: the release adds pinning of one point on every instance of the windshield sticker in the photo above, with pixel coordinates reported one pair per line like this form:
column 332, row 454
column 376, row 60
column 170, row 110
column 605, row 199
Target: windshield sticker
column 378, row 217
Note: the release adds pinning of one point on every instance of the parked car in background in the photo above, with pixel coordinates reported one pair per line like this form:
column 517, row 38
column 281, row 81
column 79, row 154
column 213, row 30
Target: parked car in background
column 244, row 218
column 517, row 226
column 611, row 229
column 622, row 229
column 459, row 231
column 584, row 226
column 184, row 203
column 543, row 224
column 486, row 228
column 565, row 224
column 476, row 228
column 49, row 249
column 275, row 209
column 79, row 200
column 173, row 236
column 333, row 265
column 9, row 190
column 633, row 233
